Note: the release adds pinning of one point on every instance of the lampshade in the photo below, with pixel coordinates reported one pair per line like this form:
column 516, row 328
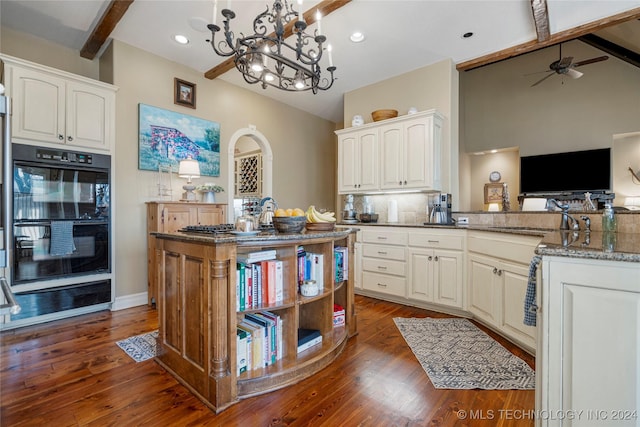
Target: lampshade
column 493, row 207
column 189, row 169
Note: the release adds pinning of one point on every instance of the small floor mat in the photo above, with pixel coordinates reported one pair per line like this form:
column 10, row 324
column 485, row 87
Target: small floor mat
column 140, row 347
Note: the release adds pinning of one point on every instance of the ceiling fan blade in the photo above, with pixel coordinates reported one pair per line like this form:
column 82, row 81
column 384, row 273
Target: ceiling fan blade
column 538, row 72
column 574, row 74
column 542, row 79
column 591, row 61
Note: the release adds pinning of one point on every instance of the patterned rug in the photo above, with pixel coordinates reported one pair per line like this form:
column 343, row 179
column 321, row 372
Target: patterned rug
column 140, row 347
column 455, row 354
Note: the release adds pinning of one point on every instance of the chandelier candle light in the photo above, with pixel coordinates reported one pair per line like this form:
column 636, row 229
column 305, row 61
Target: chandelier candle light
column 267, row 58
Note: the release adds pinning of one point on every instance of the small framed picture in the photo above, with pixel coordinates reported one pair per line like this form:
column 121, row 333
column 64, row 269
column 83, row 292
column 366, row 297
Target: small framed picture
column 493, row 193
column 184, row 93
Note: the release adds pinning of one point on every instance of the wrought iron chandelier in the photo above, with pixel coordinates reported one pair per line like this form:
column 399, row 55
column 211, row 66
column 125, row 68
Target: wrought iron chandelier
column 268, row 59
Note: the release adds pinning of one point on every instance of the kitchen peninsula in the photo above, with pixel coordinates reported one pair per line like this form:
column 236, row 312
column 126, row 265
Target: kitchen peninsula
column 198, row 315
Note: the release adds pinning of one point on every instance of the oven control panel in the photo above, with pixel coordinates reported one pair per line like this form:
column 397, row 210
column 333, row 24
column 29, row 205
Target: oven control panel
column 64, row 156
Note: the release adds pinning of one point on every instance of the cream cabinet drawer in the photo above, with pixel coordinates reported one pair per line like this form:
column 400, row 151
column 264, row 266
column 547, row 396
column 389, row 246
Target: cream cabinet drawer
column 383, row 266
column 392, row 285
column 384, row 237
column 384, row 252
column 442, row 241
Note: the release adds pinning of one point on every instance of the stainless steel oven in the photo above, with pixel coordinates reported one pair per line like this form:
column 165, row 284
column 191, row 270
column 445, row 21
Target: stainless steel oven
column 61, row 229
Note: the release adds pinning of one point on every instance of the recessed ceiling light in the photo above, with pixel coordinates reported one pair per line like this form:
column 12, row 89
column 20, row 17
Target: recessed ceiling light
column 356, row 37
column 179, row 38
column 467, row 35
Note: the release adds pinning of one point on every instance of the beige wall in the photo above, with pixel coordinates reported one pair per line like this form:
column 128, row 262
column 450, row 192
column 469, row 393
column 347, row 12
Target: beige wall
column 501, row 109
column 434, row 86
column 507, row 163
column 627, row 150
column 303, row 145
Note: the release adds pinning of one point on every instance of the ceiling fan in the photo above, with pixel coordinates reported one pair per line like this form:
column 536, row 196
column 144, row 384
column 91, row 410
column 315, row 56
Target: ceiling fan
column 566, row 66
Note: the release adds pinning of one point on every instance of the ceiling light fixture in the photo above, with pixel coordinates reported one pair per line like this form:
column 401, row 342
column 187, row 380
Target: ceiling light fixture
column 267, row 58
column 356, row 37
column 179, row 38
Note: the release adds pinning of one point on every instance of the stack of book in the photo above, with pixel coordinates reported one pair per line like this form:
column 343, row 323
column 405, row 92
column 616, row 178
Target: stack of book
column 259, row 341
column 307, row 338
column 310, row 267
column 259, row 280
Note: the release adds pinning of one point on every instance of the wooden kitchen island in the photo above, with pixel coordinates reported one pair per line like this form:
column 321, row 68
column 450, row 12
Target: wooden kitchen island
column 198, row 317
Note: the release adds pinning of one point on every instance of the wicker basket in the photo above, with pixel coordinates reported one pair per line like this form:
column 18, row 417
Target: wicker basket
column 384, row 114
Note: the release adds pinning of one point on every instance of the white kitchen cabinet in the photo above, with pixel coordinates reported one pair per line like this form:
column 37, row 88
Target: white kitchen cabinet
column 358, row 161
column 54, row 107
column 498, row 270
column 410, row 153
column 394, row 154
column 590, row 343
column 383, row 261
column 436, row 268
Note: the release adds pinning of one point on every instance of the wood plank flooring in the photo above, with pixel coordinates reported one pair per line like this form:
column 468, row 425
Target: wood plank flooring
column 71, row 373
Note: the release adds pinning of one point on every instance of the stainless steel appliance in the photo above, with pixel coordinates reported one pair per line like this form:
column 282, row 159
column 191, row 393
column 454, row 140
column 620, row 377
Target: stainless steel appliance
column 441, row 211
column 61, row 231
column 349, row 212
column 8, row 304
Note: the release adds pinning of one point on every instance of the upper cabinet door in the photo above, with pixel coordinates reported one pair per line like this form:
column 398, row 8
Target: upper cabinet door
column 418, row 154
column 392, row 154
column 368, row 155
column 38, row 105
column 348, row 163
column 89, row 111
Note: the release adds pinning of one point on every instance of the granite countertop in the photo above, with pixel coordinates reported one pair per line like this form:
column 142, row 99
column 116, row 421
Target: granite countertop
column 594, row 245
column 261, row 237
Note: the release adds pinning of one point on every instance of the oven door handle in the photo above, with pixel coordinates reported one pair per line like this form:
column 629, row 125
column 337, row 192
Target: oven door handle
column 11, row 307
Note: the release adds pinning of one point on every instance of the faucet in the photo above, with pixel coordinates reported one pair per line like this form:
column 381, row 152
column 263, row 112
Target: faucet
column 564, row 221
column 587, row 223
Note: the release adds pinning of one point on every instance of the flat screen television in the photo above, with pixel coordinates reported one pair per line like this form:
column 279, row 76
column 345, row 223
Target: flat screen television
column 576, row 171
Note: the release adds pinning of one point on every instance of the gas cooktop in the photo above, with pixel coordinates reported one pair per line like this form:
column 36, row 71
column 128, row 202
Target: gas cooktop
column 218, row 229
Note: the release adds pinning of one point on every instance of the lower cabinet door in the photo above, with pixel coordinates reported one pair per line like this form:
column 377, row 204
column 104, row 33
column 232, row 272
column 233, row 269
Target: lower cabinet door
column 515, row 279
column 448, row 278
column 484, row 290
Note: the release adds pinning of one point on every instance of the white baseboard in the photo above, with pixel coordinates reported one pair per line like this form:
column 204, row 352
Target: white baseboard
column 128, row 301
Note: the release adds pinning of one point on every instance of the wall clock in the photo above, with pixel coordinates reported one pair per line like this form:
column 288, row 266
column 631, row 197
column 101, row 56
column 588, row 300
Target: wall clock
column 493, row 193
column 495, row 176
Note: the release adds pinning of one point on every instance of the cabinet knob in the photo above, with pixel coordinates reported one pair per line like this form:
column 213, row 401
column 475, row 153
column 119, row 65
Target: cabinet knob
column 405, row 183
column 69, row 138
column 499, row 272
column 399, row 182
column 436, row 258
column 495, row 270
column 430, row 258
column 60, row 137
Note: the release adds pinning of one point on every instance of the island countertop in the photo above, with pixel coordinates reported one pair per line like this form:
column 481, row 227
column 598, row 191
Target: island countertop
column 264, row 236
column 595, row 245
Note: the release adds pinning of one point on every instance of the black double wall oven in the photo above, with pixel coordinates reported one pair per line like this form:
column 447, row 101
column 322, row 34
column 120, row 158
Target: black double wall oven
column 61, row 230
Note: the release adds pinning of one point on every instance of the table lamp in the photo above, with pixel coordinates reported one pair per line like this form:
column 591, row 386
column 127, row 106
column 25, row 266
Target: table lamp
column 189, row 169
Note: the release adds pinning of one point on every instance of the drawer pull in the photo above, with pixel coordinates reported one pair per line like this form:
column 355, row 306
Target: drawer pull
column 382, row 253
column 382, row 285
column 382, row 267
column 382, row 237
column 433, row 241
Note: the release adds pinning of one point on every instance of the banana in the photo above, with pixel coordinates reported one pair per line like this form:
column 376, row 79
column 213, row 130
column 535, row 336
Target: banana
column 313, row 215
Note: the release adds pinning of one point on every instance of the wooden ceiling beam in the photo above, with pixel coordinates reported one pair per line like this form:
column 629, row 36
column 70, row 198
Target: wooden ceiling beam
column 611, row 48
column 110, row 18
column 325, row 7
column 541, row 19
column 562, row 36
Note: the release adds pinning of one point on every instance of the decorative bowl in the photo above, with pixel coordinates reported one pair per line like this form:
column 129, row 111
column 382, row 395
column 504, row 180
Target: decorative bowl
column 320, row 226
column 383, row 115
column 289, row 224
column 365, row 217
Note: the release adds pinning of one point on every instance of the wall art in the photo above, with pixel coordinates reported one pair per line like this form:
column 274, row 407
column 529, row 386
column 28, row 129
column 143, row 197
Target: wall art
column 166, row 137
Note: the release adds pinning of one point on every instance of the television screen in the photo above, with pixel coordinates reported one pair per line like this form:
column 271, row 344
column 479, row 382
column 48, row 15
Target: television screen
column 576, row 171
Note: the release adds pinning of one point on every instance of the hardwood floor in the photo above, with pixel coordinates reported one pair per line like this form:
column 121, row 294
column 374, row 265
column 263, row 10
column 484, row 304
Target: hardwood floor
column 71, row 372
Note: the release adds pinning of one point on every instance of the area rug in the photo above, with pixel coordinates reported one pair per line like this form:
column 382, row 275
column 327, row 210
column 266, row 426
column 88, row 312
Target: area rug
column 140, row 347
column 455, row 354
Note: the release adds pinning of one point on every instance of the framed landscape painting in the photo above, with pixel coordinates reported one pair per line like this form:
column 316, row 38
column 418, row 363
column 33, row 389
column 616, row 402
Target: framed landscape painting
column 166, row 137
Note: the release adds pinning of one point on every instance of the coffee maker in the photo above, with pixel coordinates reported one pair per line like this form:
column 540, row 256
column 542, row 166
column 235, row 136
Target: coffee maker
column 349, row 212
column 441, row 212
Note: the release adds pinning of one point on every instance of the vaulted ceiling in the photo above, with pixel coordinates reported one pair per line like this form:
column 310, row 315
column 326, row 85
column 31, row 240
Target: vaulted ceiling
column 400, row 35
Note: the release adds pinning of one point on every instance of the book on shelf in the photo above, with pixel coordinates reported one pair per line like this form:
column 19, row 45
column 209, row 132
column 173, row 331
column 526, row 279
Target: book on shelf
column 307, row 338
column 257, row 342
column 341, row 257
column 278, row 332
column 314, row 268
column 269, row 336
column 249, row 345
column 257, row 256
column 279, row 278
column 241, row 347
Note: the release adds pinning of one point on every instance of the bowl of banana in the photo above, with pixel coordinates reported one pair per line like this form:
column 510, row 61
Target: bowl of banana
column 320, row 221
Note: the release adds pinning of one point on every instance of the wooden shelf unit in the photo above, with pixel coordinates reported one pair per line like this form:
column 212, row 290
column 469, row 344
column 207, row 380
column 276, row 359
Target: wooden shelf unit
column 198, row 317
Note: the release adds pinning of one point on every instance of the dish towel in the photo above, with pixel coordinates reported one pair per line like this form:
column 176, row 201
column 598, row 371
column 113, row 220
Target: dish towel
column 61, row 238
column 530, row 307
